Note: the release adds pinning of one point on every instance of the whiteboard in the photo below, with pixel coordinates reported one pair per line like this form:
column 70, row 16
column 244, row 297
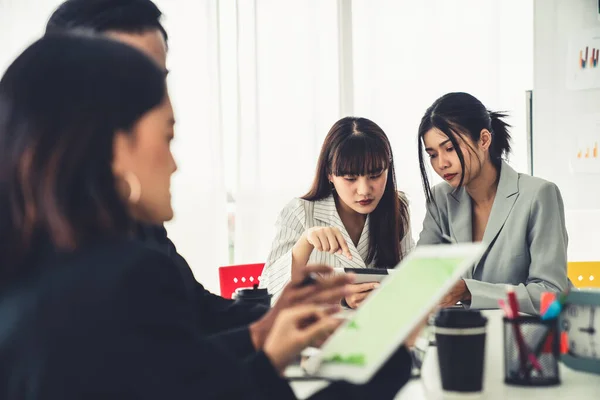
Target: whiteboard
column 566, row 122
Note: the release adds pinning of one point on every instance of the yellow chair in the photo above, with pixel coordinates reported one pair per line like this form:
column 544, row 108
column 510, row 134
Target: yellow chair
column 584, row 274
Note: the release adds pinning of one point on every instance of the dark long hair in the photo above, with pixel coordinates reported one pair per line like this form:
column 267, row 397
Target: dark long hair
column 458, row 115
column 358, row 146
column 61, row 103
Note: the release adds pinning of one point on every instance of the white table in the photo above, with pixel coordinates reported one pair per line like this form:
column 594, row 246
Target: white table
column 574, row 384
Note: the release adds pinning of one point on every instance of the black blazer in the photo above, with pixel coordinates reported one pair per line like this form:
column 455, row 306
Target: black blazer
column 114, row 321
column 215, row 313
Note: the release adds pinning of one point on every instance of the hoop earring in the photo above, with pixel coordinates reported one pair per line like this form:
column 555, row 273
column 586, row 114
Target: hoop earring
column 135, row 187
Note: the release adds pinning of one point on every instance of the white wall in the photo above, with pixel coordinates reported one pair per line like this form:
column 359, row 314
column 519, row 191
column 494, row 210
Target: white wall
column 199, row 229
column 408, row 53
column 556, row 119
column 288, row 99
column 21, row 23
column 404, row 54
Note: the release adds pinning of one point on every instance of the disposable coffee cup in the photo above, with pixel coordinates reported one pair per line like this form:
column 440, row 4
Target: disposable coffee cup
column 460, row 337
column 252, row 295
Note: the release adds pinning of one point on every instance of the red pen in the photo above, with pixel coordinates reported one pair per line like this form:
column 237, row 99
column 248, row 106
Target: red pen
column 509, row 314
column 514, row 308
column 504, row 307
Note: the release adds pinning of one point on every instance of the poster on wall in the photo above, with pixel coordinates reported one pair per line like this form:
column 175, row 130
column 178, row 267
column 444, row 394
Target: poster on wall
column 583, row 68
column 585, row 151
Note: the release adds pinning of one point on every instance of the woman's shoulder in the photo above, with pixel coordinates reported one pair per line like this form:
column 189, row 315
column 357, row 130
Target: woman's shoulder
column 540, row 193
column 297, row 203
column 125, row 250
column 110, row 260
column 296, row 206
column 534, row 185
column 96, row 273
column 441, row 191
column 301, row 207
column 528, row 187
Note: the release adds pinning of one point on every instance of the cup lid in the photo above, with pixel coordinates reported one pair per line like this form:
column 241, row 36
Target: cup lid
column 252, row 292
column 459, row 318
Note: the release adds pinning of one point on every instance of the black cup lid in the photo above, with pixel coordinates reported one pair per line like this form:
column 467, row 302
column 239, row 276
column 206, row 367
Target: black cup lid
column 252, row 292
column 457, row 318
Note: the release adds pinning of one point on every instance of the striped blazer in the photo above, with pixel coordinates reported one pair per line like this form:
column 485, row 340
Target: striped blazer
column 300, row 215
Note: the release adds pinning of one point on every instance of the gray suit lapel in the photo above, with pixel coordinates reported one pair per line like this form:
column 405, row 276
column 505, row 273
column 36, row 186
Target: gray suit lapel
column 506, row 195
column 459, row 216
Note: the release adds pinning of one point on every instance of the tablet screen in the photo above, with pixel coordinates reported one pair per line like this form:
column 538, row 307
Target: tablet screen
column 379, row 326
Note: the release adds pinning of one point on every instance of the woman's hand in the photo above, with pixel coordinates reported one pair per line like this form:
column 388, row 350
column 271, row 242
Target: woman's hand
column 459, row 292
column 326, row 289
column 328, row 239
column 360, row 291
column 297, row 328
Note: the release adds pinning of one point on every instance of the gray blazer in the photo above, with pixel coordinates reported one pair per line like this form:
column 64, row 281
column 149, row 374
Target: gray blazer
column 526, row 235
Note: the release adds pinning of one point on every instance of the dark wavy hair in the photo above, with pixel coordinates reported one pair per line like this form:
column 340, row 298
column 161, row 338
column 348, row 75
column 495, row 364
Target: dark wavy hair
column 100, row 16
column 458, row 115
column 358, row 146
column 61, row 103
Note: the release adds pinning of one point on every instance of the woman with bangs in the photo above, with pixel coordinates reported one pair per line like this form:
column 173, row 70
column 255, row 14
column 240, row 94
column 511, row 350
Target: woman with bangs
column 519, row 217
column 352, row 217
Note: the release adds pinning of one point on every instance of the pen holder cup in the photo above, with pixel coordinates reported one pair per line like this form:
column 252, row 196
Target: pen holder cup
column 540, row 339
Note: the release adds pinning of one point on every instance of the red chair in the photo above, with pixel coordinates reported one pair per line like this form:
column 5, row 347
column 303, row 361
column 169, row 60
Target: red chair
column 233, row 277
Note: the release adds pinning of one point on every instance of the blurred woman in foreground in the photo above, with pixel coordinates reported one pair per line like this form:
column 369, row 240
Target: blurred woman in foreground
column 87, row 311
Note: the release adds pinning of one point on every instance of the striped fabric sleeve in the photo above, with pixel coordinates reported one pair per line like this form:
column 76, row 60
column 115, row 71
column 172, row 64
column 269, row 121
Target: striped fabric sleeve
column 407, row 243
column 278, row 268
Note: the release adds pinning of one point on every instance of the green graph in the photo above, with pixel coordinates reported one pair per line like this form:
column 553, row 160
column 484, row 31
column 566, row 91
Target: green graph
column 376, row 324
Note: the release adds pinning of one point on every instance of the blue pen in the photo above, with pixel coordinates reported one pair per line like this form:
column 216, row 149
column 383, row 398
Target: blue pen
column 553, row 310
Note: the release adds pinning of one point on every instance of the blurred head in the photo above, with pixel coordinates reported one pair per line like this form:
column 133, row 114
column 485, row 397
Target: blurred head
column 460, row 135
column 356, row 165
column 85, row 127
column 135, row 22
